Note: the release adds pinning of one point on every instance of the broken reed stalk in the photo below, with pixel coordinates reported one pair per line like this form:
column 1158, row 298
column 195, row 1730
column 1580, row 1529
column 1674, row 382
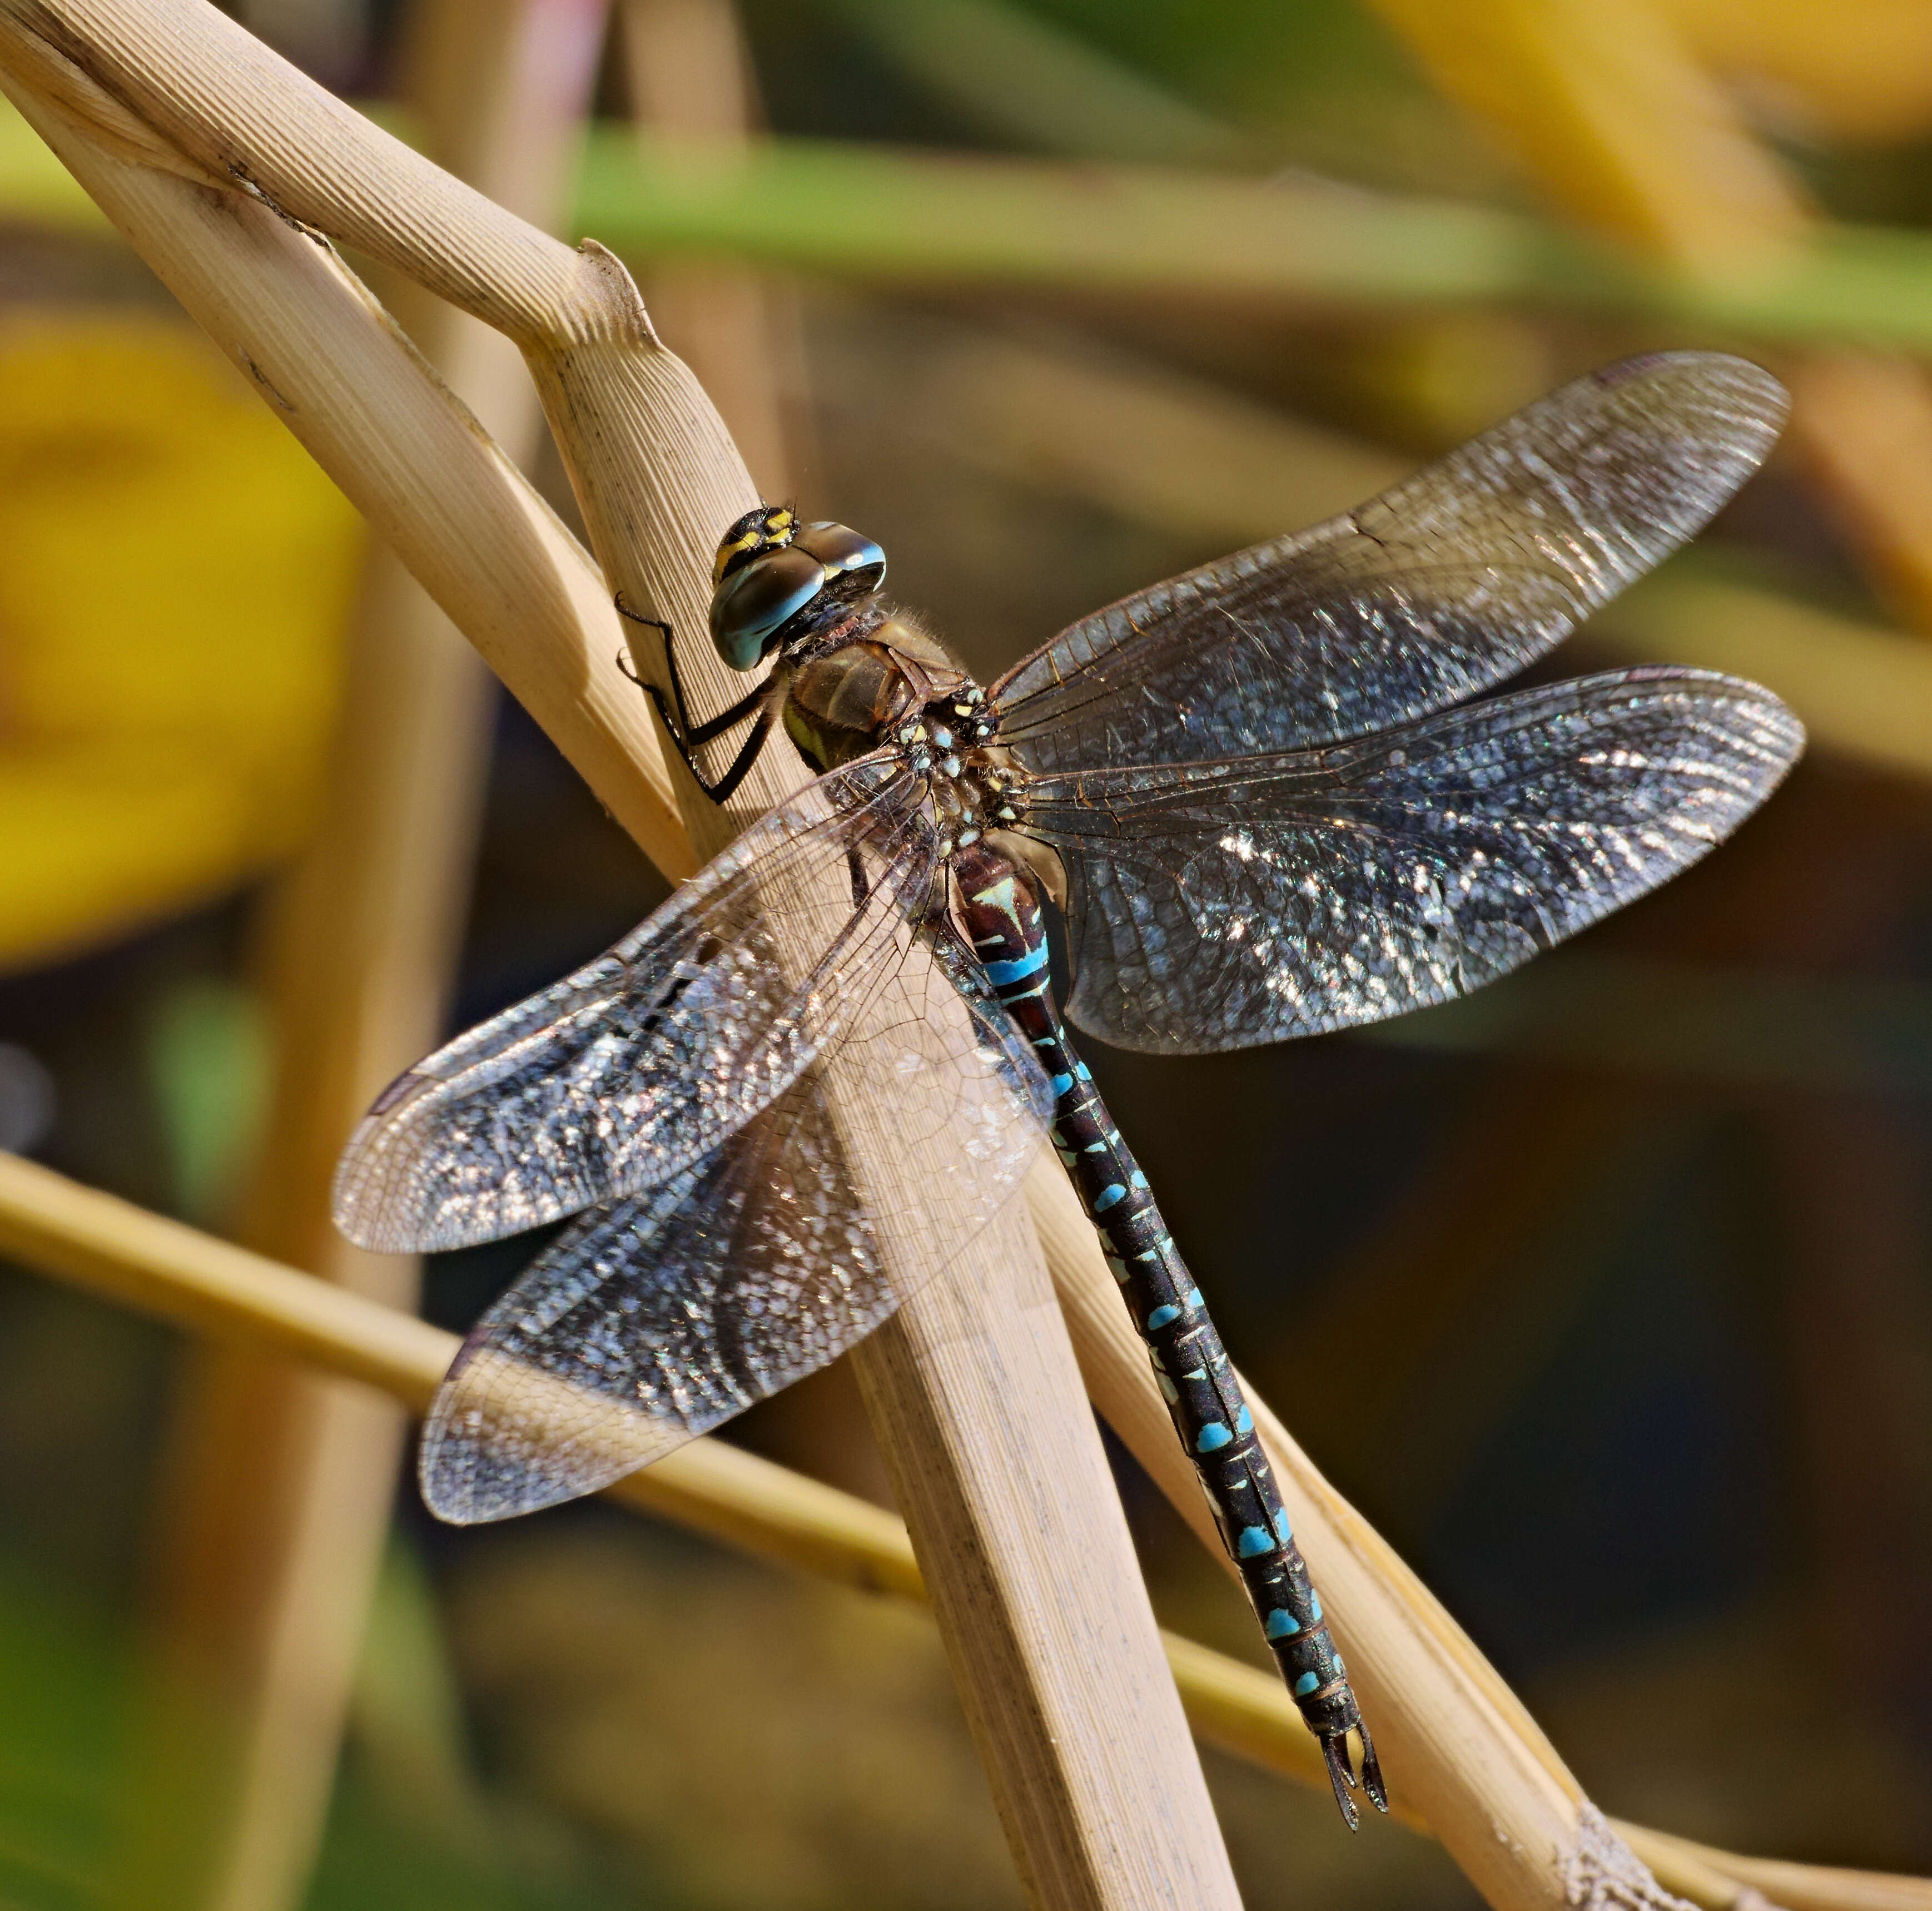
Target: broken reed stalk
column 688, row 71
column 160, row 108
column 161, row 1267
column 206, row 150
column 279, row 1492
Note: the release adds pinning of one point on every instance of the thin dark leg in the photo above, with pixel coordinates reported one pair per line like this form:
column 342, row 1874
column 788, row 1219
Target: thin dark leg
column 713, row 727
column 687, row 736
column 721, row 790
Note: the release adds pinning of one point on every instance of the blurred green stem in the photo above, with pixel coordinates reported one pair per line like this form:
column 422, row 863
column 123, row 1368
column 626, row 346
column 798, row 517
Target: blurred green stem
column 1025, row 79
column 877, row 213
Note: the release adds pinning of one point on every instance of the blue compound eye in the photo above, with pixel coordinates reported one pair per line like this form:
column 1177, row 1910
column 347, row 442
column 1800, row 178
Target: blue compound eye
column 750, row 606
column 844, row 552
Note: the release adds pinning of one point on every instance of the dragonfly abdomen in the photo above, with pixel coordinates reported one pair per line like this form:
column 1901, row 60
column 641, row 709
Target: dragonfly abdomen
column 994, row 906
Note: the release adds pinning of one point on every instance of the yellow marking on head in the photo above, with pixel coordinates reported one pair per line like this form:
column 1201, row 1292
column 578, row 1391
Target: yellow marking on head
column 777, row 527
column 729, row 549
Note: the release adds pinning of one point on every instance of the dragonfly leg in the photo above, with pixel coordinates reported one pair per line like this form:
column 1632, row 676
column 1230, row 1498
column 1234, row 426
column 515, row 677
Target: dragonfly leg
column 687, row 737
column 993, row 907
column 719, row 791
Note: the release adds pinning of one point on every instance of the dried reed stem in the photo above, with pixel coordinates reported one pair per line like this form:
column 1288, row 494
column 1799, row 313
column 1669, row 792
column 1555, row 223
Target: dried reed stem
column 283, row 1482
column 141, row 1260
column 348, row 385
column 161, row 108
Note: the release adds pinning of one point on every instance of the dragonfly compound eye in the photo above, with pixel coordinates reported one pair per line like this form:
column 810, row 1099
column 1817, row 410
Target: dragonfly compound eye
column 845, row 554
column 751, row 607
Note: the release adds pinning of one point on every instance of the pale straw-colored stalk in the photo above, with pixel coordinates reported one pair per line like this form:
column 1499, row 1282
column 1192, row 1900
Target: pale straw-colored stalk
column 280, row 1483
column 221, row 163
column 114, row 1248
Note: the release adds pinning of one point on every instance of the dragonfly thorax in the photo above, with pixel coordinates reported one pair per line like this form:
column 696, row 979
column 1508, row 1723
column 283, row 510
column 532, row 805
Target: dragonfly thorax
column 973, row 787
column 861, row 683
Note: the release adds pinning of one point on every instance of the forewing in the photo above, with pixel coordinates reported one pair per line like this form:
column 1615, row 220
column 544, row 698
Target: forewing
column 1438, row 589
column 1217, row 905
column 627, row 1073
column 658, row 1317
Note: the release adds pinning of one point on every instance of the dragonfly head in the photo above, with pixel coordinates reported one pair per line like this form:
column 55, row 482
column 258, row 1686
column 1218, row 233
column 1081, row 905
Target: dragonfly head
column 773, row 571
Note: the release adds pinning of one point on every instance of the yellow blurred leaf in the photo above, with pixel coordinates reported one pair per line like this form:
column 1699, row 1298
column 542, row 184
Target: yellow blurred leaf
column 1861, row 69
column 174, row 576
column 1600, row 100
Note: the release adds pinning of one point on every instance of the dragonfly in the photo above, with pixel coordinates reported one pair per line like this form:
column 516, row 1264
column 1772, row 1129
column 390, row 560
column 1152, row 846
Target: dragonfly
column 1267, row 798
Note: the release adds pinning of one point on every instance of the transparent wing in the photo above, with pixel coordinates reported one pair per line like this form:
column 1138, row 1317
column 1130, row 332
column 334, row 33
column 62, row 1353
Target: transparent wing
column 629, row 1072
column 658, row 1317
column 1217, row 905
column 1438, row 590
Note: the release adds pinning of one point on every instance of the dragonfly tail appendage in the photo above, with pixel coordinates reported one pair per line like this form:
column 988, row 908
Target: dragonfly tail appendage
column 994, row 906
column 1373, row 1782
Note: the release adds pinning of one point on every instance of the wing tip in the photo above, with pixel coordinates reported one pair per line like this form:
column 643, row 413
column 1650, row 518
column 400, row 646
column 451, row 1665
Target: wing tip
column 363, row 1205
column 1721, row 687
column 451, row 1495
column 455, row 1474
column 1754, row 404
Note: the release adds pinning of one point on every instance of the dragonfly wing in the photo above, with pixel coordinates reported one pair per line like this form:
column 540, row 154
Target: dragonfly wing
column 658, row 1317
column 633, row 1069
column 1438, row 590
column 1217, row 905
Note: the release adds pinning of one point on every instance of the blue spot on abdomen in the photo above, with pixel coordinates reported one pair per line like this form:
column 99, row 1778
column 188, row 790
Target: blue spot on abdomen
column 1281, row 1624
column 999, row 974
column 1254, row 1540
column 1213, row 1437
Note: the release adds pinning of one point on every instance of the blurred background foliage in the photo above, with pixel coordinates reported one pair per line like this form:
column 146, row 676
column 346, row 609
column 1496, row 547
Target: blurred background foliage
column 1605, row 1294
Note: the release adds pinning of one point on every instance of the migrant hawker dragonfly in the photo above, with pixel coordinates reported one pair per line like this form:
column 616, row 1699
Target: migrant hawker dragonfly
column 1264, row 808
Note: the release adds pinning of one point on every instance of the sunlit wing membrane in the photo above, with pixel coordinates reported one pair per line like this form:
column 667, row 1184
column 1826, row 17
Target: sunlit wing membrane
column 1438, row 590
column 660, row 1316
column 625, row 1074
column 1219, row 905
